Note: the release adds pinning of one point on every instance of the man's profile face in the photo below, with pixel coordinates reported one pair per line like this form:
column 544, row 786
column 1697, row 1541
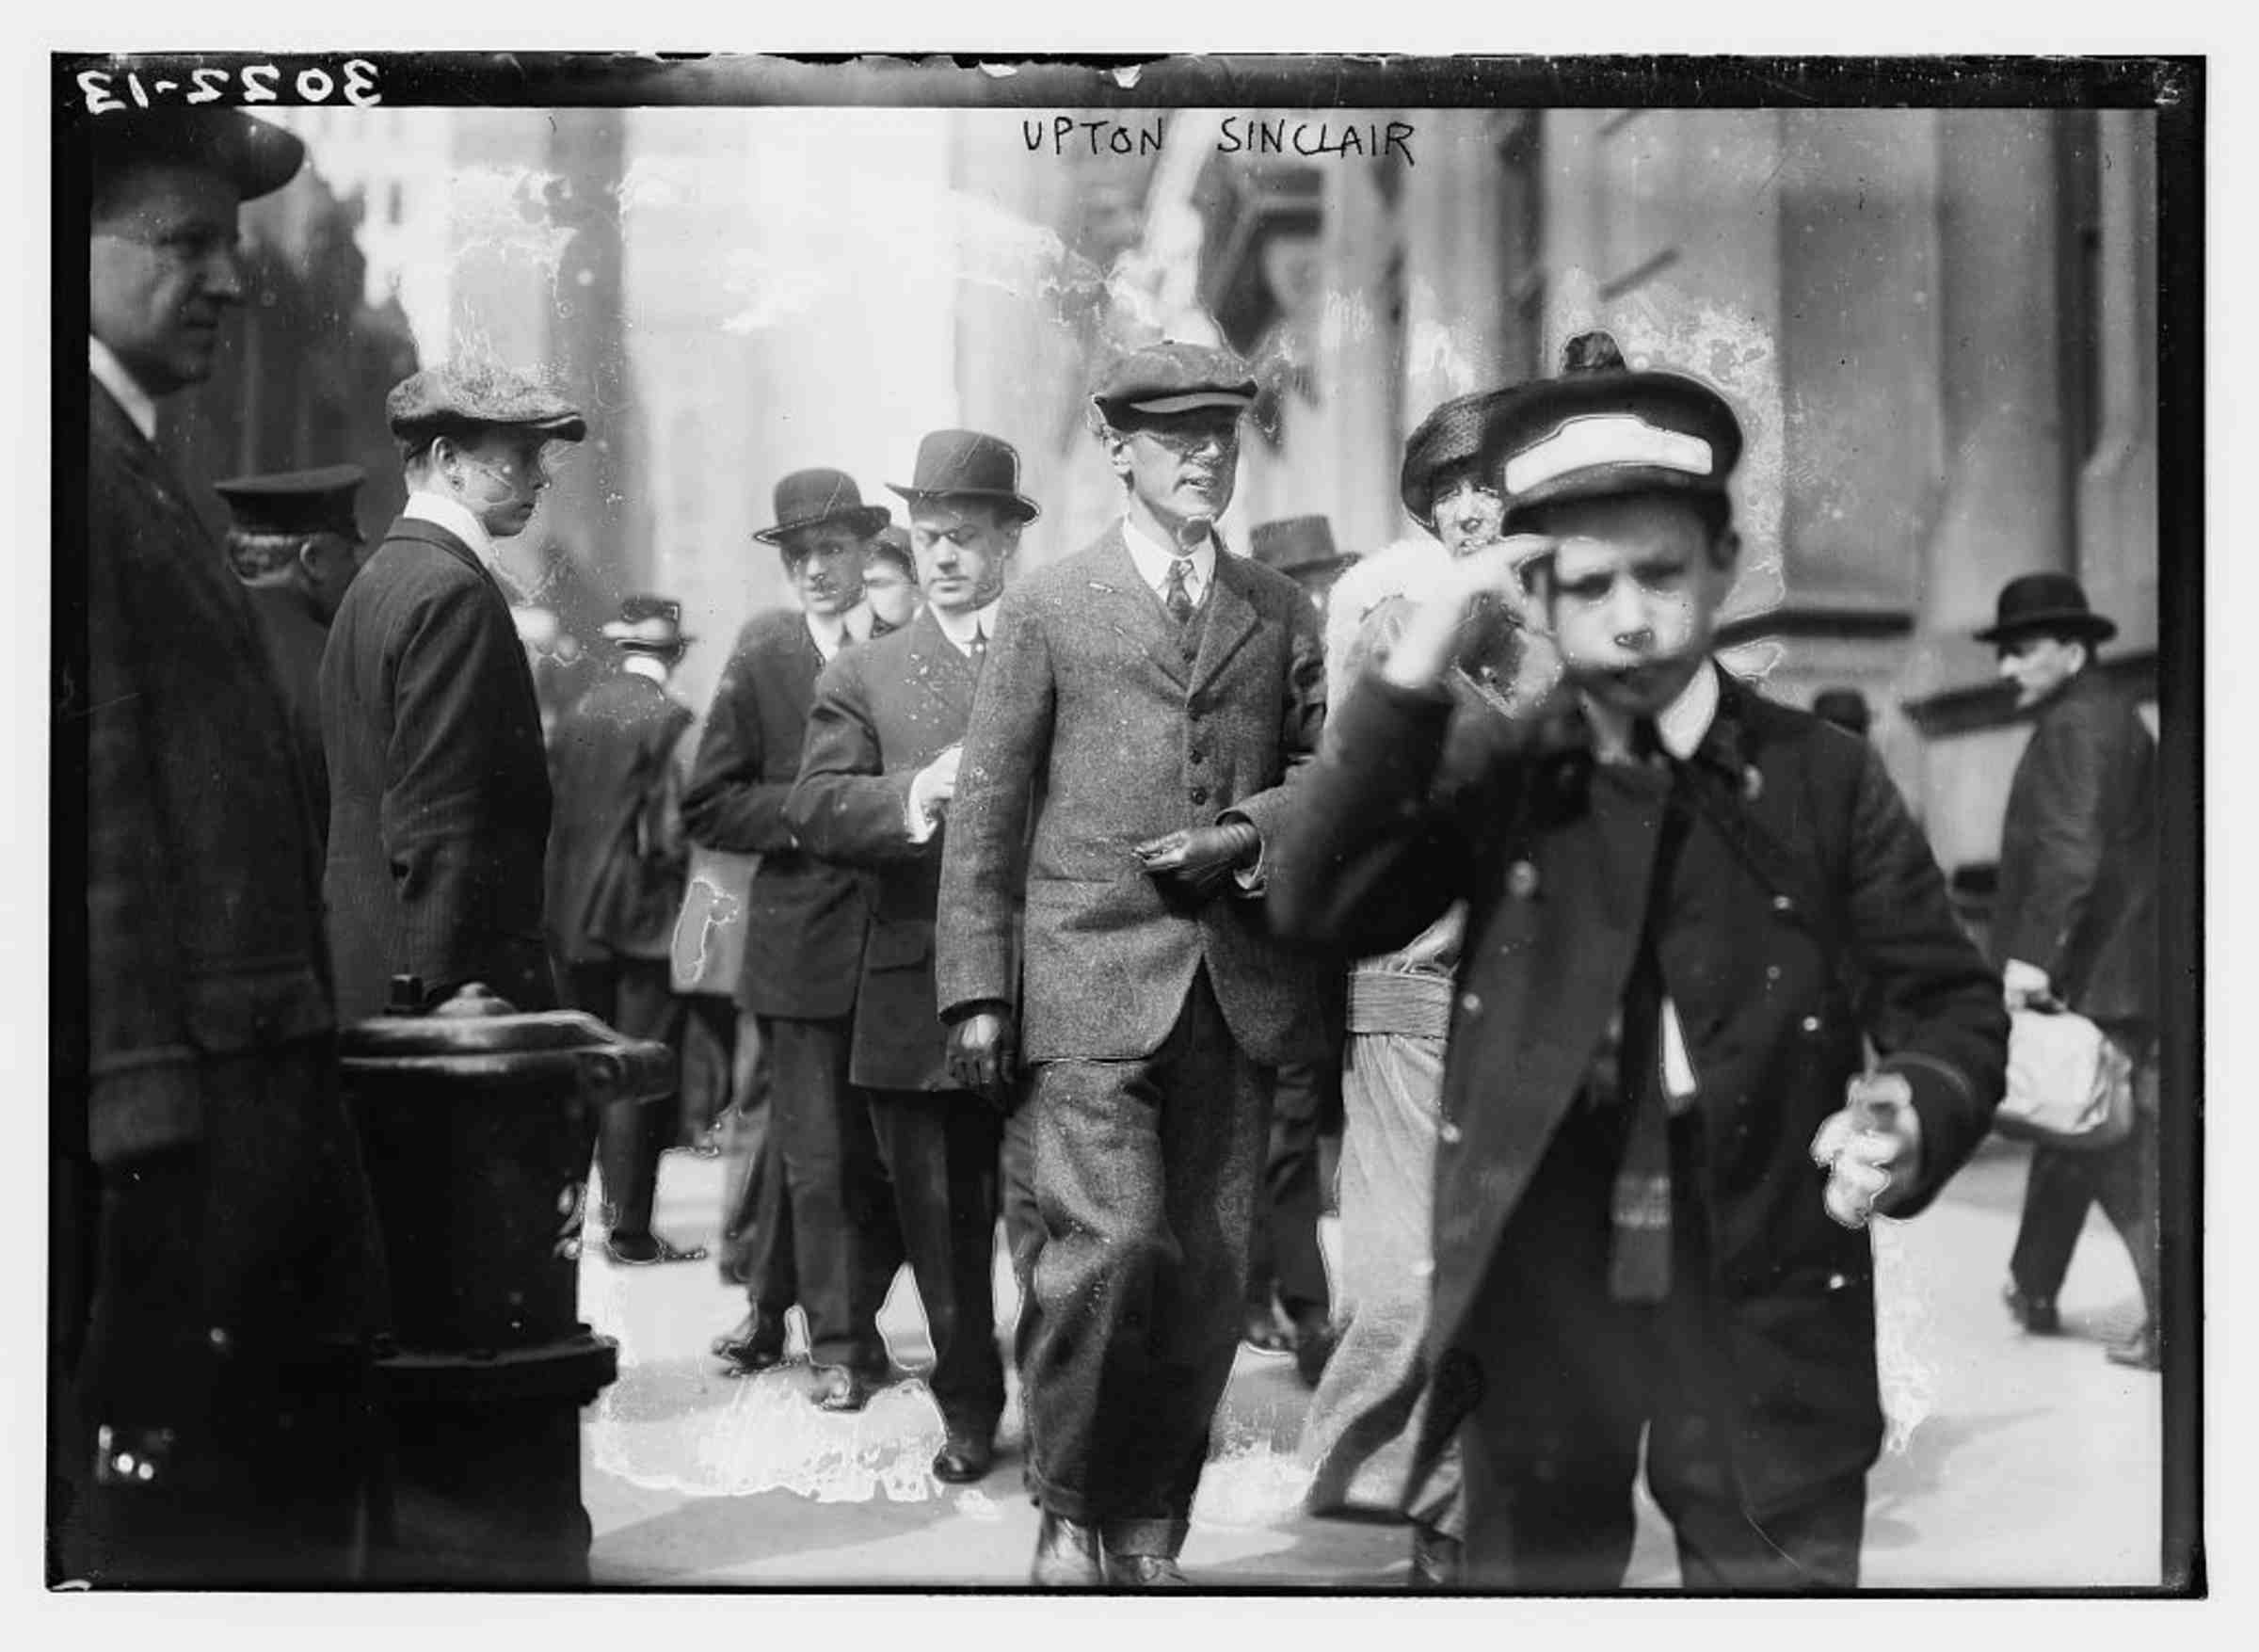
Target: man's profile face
column 2039, row 665
column 327, row 565
column 162, row 273
column 964, row 550
column 1183, row 467
column 497, row 475
column 1632, row 595
column 826, row 566
column 1468, row 511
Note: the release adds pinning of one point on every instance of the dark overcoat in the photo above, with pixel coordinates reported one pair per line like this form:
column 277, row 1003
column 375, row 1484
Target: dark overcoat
column 1093, row 733
column 1825, row 918
column 203, row 880
column 882, row 712
column 296, row 634
column 804, row 917
column 439, row 784
column 2079, row 855
column 617, row 858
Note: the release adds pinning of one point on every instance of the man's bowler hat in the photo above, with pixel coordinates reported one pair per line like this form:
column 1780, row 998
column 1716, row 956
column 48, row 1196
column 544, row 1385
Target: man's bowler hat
column 448, row 399
column 647, row 625
column 285, row 503
column 968, row 463
column 2047, row 602
column 1165, row 379
column 256, row 156
column 1301, row 547
column 810, row 498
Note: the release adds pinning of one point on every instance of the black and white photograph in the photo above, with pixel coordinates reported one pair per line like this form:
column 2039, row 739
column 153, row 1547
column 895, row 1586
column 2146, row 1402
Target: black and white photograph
column 1279, row 824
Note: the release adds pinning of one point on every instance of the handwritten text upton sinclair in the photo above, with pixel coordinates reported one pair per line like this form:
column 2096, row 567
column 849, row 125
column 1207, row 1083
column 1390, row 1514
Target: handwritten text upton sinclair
column 1064, row 135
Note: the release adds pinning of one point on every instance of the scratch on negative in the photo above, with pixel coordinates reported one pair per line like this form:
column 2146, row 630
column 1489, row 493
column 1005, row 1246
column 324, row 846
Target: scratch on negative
column 720, row 910
column 118, row 699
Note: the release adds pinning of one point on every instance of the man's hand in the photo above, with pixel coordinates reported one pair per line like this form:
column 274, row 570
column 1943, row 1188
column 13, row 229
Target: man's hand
column 1435, row 634
column 2024, row 986
column 1199, row 859
column 937, row 783
column 1871, row 1150
column 983, row 1052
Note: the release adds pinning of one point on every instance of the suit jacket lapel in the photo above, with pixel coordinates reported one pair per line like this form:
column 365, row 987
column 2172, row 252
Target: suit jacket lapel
column 1136, row 612
column 409, row 527
column 940, row 670
column 1230, row 621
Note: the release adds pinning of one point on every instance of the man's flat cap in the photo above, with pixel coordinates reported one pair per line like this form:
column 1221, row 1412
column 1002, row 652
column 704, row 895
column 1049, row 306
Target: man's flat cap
column 1174, row 377
column 444, row 398
column 294, row 502
column 256, row 156
column 1601, row 428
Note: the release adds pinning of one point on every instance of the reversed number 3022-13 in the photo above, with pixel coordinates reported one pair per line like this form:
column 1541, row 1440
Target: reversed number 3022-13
column 255, row 83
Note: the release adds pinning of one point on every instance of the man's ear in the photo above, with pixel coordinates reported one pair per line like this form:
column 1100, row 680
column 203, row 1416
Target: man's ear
column 1117, row 450
column 1725, row 550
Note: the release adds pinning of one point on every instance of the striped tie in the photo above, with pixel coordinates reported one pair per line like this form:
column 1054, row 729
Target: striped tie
column 1177, row 597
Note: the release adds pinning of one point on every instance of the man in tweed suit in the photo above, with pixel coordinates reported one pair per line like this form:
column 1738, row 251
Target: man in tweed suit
column 439, row 781
column 1143, row 705
column 217, row 1270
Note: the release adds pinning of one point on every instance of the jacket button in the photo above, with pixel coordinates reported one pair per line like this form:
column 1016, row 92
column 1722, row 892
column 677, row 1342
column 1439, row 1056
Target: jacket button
column 1198, row 794
column 1782, row 904
column 1197, row 755
column 1811, row 1023
column 1772, row 971
column 1470, row 1003
column 1836, row 1281
column 1521, row 880
column 1447, row 1134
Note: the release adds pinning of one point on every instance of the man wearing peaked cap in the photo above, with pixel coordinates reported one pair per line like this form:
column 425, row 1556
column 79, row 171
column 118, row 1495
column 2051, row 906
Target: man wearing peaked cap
column 876, row 788
column 616, row 864
column 296, row 545
column 814, row 1224
column 217, row 1271
column 2075, row 924
column 1658, row 1151
column 1124, row 766
column 438, row 784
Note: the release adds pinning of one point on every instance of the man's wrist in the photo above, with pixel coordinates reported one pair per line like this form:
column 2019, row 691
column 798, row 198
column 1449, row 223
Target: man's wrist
column 978, row 1006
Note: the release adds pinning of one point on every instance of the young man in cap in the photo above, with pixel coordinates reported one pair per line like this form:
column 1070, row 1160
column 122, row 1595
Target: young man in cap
column 824, row 1231
column 2076, row 925
column 616, row 862
column 1143, row 705
column 217, row 1274
column 877, row 781
column 1686, row 905
column 439, row 784
column 295, row 545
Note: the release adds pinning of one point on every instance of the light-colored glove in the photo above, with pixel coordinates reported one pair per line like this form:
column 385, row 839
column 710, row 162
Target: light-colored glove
column 929, row 793
column 1871, row 1150
column 2024, row 984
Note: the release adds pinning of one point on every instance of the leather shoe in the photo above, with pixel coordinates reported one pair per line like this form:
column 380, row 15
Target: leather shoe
column 2036, row 1314
column 755, row 1345
column 1262, row 1332
column 1066, row 1556
column 1145, row 1571
column 2140, row 1350
column 844, row 1388
column 1314, row 1342
column 646, row 1249
column 964, row 1456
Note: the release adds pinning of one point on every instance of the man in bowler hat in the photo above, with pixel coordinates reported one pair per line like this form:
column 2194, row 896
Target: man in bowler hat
column 1686, row 905
column 2075, row 924
column 822, row 1225
column 296, row 545
column 439, row 781
column 616, row 864
column 1143, row 703
column 877, row 780
column 216, row 1277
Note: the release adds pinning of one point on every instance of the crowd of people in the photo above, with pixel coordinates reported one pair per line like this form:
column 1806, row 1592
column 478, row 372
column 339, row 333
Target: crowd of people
column 1085, row 898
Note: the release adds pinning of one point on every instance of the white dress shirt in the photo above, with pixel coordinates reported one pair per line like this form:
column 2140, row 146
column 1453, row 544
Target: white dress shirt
column 961, row 628
column 834, row 631
column 1153, row 559
column 922, row 814
column 444, row 512
column 109, row 372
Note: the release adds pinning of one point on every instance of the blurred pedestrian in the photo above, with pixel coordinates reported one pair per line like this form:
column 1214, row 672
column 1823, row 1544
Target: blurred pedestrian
column 439, row 781
column 2076, row 925
column 890, row 581
column 295, row 544
column 1286, row 1273
column 877, row 780
column 1143, row 704
column 1657, row 1152
column 825, row 1233
column 1846, row 708
column 217, row 1274
column 1367, row 1438
column 616, row 860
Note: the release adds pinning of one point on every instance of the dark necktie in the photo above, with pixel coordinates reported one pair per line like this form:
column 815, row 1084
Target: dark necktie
column 1178, row 596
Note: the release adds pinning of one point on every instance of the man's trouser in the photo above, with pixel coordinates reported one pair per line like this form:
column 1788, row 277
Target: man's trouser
column 635, row 997
column 2064, row 1183
column 1286, row 1259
